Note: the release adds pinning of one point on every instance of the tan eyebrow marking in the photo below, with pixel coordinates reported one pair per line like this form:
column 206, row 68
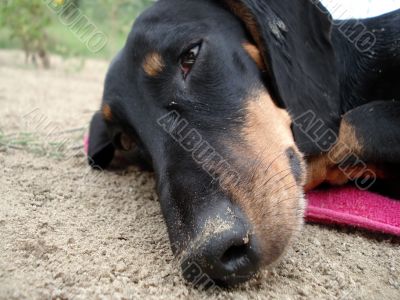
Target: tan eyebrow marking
column 153, row 64
column 255, row 55
column 107, row 112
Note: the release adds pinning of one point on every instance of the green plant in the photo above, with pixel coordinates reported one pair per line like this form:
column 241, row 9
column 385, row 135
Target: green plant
column 58, row 145
column 26, row 21
column 120, row 15
column 33, row 25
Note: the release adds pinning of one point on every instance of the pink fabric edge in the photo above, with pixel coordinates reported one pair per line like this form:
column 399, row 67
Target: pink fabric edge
column 328, row 216
column 86, row 143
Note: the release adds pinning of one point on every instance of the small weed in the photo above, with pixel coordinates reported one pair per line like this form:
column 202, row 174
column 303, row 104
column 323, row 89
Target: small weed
column 57, row 146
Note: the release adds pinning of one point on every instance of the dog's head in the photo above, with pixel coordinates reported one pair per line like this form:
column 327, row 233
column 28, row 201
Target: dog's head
column 205, row 92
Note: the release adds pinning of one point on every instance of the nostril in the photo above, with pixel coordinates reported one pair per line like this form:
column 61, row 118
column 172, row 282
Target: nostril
column 229, row 257
column 240, row 260
column 235, row 254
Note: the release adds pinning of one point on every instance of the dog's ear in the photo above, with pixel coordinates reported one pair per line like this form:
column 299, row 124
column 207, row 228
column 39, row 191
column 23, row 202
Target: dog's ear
column 294, row 38
column 101, row 149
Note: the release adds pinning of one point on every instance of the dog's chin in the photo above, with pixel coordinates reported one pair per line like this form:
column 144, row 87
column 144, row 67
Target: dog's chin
column 276, row 226
column 280, row 236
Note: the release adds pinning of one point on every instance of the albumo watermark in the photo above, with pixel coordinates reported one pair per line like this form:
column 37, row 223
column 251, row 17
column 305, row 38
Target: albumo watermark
column 78, row 23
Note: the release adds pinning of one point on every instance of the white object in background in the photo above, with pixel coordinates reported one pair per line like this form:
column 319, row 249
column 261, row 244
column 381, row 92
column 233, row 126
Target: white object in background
column 345, row 9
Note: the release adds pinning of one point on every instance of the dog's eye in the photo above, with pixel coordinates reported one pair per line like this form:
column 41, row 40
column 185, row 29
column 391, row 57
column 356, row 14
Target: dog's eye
column 188, row 59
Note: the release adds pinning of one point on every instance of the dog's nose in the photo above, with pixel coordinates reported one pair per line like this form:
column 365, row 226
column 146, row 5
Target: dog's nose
column 224, row 257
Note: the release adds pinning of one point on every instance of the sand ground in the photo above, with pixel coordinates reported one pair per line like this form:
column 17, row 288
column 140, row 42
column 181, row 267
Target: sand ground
column 68, row 233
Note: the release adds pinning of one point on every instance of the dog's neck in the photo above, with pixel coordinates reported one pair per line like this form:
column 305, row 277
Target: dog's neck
column 371, row 71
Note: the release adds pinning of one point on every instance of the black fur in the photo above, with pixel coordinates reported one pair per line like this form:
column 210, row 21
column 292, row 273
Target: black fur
column 312, row 65
column 372, row 75
column 296, row 44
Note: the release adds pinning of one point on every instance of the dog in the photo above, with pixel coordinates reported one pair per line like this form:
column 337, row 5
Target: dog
column 239, row 107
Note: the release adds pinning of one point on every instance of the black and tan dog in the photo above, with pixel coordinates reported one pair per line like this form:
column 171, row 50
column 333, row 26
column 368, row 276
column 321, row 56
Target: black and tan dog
column 262, row 90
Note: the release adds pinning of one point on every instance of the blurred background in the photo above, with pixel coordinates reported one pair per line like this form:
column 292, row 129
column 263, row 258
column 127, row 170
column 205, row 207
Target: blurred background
column 342, row 9
column 40, row 27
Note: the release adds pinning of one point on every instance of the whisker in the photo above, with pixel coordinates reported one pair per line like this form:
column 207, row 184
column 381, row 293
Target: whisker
column 276, row 174
column 271, row 193
column 266, row 193
column 270, row 212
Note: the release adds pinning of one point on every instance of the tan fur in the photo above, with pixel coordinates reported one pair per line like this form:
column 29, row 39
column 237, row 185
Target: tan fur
column 153, row 64
column 347, row 136
column 245, row 15
column 247, row 18
column 325, row 168
column 107, row 113
column 267, row 192
column 321, row 170
column 317, row 171
column 255, row 55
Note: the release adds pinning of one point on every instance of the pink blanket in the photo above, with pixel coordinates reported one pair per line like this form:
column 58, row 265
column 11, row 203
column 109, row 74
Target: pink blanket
column 350, row 206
